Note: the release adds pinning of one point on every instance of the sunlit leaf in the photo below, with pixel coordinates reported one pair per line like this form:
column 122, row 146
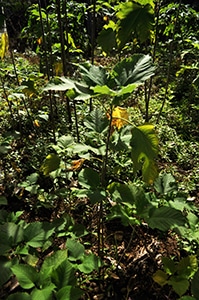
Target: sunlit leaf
column 119, row 117
column 26, row 275
column 131, row 17
column 133, row 70
column 51, row 163
column 144, row 143
column 4, row 44
column 165, row 218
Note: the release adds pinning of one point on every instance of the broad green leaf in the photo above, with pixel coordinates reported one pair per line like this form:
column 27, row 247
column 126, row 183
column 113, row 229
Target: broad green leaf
column 160, row 277
column 165, row 183
column 180, row 286
column 65, row 141
column 144, row 143
column 90, row 263
column 52, row 262
column 133, row 70
column 93, row 75
column 60, row 84
column 37, row 233
column 187, row 266
column 96, row 121
column 5, row 267
column 127, row 90
column 131, row 17
column 107, row 39
column 169, row 265
column 69, row 293
column 75, row 250
column 64, row 275
column 43, row 294
column 51, row 163
column 26, row 275
column 103, row 90
column 145, row 2
column 195, row 285
column 32, row 179
column 19, row 296
column 10, row 235
column 89, row 178
column 165, row 218
column 83, row 90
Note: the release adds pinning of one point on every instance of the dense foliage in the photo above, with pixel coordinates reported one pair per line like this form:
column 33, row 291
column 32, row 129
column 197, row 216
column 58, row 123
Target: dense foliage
column 99, row 150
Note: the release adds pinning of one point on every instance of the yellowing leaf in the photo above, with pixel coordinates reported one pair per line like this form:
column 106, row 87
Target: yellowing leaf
column 36, row 123
column 160, row 277
column 144, row 143
column 39, row 41
column 4, row 44
column 77, row 164
column 51, row 163
column 119, row 117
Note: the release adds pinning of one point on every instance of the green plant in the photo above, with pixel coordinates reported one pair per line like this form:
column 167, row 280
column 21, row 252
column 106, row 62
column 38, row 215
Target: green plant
column 177, row 274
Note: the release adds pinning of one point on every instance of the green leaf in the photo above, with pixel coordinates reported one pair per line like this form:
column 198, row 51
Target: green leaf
column 160, row 277
column 60, row 84
column 107, row 39
column 165, row 218
column 187, row 266
column 19, row 296
column 75, row 250
column 144, row 143
column 169, row 265
column 180, row 286
column 93, row 75
column 43, row 294
column 69, row 293
column 165, row 184
column 64, row 275
column 133, row 70
column 52, row 262
column 90, row 263
column 51, row 163
column 195, row 285
column 3, row 200
column 37, row 233
column 103, row 90
column 10, row 235
column 5, row 267
column 96, row 121
column 26, row 275
column 89, row 178
column 131, row 17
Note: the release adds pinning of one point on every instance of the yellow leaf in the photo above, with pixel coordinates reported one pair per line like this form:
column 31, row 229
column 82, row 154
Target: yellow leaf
column 39, row 41
column 119, row 117
column 160, row 277
column 51, row 163
column 36, row 123
column 4, row 44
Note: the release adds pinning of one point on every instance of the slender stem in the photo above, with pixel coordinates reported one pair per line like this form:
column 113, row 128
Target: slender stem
column 169, row 64
column 44, row 40
column 148, row 95
column 76, row 121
